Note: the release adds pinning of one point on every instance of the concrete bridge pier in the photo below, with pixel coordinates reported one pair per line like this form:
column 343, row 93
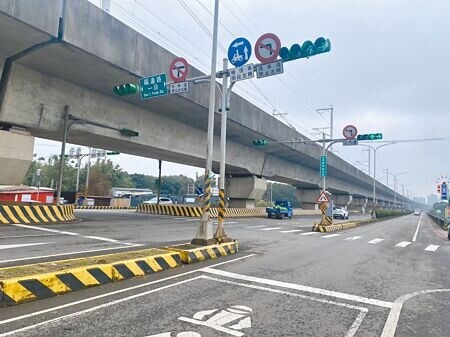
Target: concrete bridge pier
column 243, row 191
column 343, row 200
column 308, row 197
column 16, row 155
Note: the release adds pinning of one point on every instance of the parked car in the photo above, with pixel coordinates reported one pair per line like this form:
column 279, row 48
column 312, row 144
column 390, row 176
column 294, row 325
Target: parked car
column 162, row 201
column 340, row 212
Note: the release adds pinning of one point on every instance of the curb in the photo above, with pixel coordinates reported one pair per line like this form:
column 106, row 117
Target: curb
column 191, row 253
column 24, row 289
column 35, row 214
column 104, row 207
column 195, row 211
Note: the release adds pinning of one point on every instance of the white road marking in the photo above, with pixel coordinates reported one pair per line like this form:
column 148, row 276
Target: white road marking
column 36, row 313
column 391, row 323
column 417, row 229
column 353, row 238
column 310, row 233
column 432, row 248
column 97, row 307
column 330, row 236
column 74, row 234
column 376, row 241
column 68, row 253
column 292, row 231
column 271, row 228
column 27, row 236
column 294, row 286
column 402, row 244
column 258, row 226
column 191, row 220
column 350, row 333
column 18, row 245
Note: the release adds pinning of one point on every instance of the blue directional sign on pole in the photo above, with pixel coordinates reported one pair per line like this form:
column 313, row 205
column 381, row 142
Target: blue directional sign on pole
column 153, row 86
column 444, row 191
column 239, row 52
column 323, row 166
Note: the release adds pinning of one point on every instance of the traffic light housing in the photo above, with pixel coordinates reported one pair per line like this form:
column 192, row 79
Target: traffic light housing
column 260, row 142
column 438, row 188
column 112, row 153
column 126, row 89
column 370, row 136
column 307, row 49
column 129, row 133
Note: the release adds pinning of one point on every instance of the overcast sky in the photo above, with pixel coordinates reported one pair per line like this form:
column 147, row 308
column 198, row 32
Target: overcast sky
column 388, row 71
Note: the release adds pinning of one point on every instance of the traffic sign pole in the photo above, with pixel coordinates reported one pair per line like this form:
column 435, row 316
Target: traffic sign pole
column 204, row 234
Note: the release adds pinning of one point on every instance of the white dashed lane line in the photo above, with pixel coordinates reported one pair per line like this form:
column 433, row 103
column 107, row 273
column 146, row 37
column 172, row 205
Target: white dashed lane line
column 376, row 241
column 403, row 244
column 432, row 248
column 330, row 236
column 271, row 228
column 353, row 238
column 292, row 231
column 309, row 233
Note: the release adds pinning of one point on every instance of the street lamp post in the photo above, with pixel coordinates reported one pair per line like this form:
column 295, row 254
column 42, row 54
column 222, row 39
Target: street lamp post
column 374, row 149
column 395, row 185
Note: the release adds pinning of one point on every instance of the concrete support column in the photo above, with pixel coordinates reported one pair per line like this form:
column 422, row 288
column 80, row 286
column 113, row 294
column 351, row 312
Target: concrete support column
column 308, row 198
column 342, row 200
column 16, row 155
column 243, row 191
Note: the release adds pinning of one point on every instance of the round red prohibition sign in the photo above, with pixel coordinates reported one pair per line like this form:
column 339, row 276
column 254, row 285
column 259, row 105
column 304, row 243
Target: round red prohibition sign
column 267, row 48
column 178, row 70
column 350, row 132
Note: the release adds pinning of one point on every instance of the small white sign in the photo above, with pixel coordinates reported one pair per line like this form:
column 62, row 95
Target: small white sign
column 350, row 142
column 178, row 88
column 241, row 73
column 26, row 197
column 269, row 69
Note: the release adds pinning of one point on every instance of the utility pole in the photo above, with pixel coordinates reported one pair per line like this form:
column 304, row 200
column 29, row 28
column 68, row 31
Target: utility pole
column 61, row 157
column 159, row 180
column 368, row 158
column 204, row 234
column 331, row 127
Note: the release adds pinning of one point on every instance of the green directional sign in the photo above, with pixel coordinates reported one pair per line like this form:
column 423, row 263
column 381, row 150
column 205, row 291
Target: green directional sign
column 323, row 166
column 153, row 86
column 370, row 136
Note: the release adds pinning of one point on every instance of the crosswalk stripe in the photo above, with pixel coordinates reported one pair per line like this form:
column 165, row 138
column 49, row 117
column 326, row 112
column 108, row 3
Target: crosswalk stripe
column 330, row 236
column 270, row 229
column 310, row 233
column 432, row 248
column 352, row 238
column 292, row 231
column 402, row 244
column 375, row 241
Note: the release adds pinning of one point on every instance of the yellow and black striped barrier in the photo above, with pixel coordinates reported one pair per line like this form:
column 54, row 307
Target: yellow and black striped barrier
column 195, row 211
column 332, row 228
column 15, row 214
column 105, row 207
column 192, row 253
column 24, row 289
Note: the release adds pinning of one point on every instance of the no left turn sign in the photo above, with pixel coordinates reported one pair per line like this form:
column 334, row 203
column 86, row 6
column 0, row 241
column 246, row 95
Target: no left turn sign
column 178, row 70
column 267, row 48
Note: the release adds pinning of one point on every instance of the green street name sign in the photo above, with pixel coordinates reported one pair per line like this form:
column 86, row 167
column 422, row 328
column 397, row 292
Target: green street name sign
column 153, row 86
column 323, row 166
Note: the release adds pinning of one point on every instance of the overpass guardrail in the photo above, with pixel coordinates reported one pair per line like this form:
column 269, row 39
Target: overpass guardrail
column 439, row 219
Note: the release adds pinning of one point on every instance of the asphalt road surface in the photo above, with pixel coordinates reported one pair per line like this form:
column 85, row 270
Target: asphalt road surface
column 385, row 279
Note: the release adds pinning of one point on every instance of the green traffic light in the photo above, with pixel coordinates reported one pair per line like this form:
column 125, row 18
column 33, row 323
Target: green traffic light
column 129, row 133
column 126, row 89
column 284, row 54
column 295, row 52
column 260, row 142
column 308, row 48
column 322, row 45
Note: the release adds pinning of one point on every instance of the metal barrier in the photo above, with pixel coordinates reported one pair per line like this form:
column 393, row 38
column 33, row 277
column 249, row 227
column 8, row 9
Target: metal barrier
column 439, row 220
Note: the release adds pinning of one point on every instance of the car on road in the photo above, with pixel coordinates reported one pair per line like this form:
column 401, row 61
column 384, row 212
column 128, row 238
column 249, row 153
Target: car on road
column 162, row 201
column 340, row 212
column 417, row 212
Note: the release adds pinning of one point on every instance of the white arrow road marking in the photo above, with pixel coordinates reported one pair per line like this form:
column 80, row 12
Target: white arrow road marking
column 375, row 241
column 402, row 244
column 292, row 231
column 18, row 245
column 352, row 238
column 271, row 228
column 330, row 236
column 432, row 248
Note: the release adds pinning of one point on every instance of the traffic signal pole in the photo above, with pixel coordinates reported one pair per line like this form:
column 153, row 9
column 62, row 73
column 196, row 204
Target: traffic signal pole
column 204, row 234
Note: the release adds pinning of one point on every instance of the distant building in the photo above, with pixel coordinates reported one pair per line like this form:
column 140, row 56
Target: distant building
column 118, row 192
column 420, row 200
column 432, row 198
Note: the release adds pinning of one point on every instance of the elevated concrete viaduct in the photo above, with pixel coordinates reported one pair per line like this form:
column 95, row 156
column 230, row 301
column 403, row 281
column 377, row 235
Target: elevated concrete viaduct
column 58, row 53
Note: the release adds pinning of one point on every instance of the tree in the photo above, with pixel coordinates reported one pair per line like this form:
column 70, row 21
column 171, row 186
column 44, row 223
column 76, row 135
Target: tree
column 282, row 192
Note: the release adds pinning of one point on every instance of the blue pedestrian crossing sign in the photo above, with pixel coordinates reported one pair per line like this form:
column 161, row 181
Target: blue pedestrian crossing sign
column 239, row 52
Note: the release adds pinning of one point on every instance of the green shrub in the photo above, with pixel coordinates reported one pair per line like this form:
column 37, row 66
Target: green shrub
column 383, row 213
